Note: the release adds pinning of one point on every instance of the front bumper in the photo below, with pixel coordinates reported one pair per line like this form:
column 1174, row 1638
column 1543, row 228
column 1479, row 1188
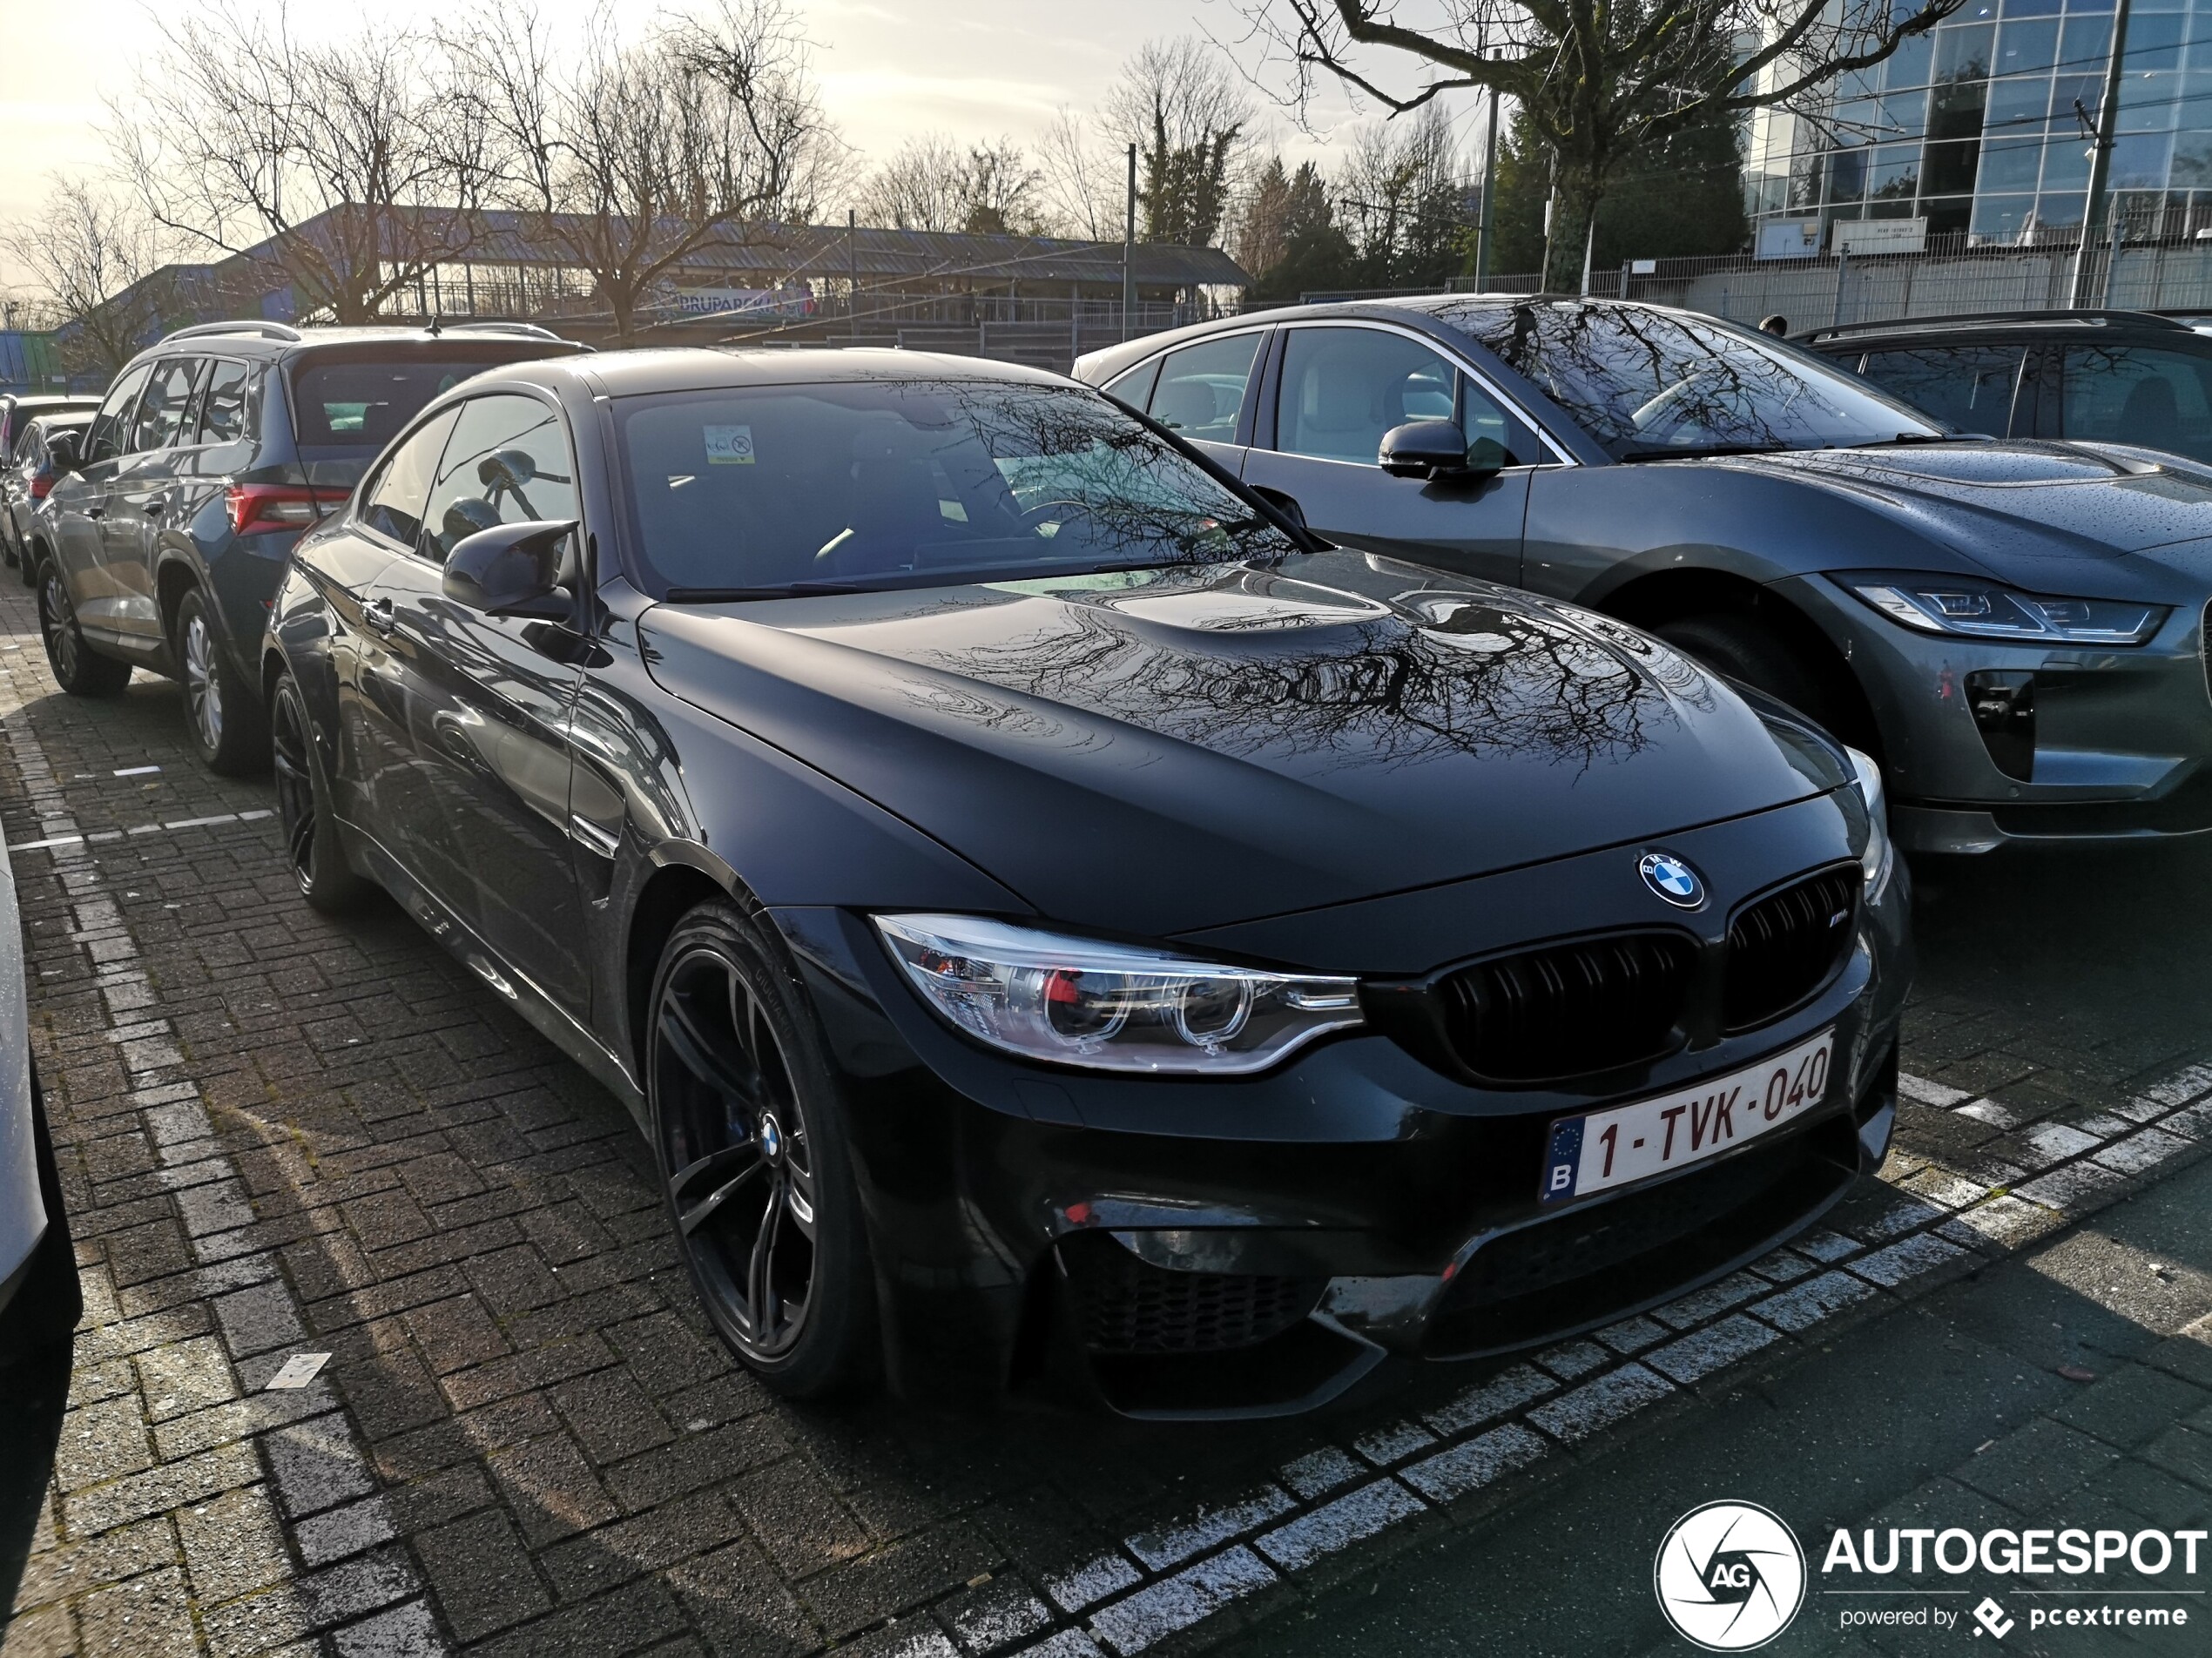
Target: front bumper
column 2117, row 743
column 1188, row 1249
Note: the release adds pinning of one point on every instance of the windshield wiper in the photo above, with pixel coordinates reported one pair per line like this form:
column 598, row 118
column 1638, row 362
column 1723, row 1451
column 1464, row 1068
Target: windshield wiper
column 1707, row 453
column 736, row 595
column 1923, row 437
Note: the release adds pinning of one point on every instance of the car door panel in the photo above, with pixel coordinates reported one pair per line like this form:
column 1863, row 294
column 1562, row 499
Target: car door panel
column 383, row 781
column 145, row 502
column 79, row 502
column 488, row 703
column 1340, row 389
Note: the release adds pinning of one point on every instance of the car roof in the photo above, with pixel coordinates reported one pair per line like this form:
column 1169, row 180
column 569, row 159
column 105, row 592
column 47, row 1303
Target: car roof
column 61, row 416
column 636, row 371
column 2054, row 324
column 258, row 338
column 38, row 402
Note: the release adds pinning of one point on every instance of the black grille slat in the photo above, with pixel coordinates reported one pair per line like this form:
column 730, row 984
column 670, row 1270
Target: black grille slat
column 1127, row 1305
column 1784, row 949
column 1569, row 1008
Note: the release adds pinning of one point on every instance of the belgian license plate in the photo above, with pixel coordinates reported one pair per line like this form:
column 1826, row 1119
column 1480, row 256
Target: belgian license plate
column 1654, row 1137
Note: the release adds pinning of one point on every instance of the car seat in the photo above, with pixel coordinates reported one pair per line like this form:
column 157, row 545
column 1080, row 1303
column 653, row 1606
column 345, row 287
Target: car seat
column 2150, row 417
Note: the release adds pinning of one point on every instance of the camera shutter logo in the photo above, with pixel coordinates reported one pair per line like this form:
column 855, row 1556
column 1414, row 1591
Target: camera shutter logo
column 1729, row 1576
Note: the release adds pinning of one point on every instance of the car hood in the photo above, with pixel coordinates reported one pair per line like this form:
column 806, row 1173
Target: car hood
column 1154, row 751
column 2017, row 507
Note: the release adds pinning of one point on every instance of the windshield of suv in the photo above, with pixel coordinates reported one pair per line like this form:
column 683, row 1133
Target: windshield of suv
column 348, row 410
column 762, row 491
column 1646, row 383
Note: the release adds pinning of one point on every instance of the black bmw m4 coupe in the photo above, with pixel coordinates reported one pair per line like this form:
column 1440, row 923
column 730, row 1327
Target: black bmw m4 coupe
column 1061, row 928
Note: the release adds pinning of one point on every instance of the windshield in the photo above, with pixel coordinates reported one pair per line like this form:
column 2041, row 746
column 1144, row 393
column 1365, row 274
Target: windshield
column 1649, row 383
column 759, row 491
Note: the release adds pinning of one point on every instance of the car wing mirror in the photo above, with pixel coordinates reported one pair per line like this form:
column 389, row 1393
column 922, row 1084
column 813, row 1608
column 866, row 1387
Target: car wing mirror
column 512, row 569
column 1437, row 450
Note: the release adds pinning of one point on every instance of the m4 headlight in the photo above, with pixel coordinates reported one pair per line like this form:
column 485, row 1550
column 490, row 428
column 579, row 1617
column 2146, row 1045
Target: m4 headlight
column 1111, row 1006
column 1874, row 859
column 1974, row 609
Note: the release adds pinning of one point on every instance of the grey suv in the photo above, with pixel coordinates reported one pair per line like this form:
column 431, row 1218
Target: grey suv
column 169, row 521
column 2014, row 629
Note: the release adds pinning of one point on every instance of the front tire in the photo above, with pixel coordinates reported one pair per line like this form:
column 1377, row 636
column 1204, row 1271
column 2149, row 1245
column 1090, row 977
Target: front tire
column 755, row 1162
column 49, row 1302
column 222, row 715
column 76, row 671
column 1742, row 649
column 304, row 812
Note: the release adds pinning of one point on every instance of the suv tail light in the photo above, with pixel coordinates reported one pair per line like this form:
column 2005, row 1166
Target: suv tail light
column 42, row 485
column 257, row 507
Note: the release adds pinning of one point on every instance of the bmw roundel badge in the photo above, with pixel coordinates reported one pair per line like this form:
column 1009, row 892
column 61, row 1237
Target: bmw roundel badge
column 1673, row 880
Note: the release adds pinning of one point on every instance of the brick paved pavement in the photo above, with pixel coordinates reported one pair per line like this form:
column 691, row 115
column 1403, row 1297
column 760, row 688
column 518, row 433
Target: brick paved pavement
column 281, row 1135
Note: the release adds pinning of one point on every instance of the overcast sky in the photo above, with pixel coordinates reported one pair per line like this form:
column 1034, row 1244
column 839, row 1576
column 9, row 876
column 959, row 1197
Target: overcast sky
column 889, row 68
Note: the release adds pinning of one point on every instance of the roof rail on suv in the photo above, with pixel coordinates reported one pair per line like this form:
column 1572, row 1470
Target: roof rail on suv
column 526, row 330
column 1978, row 318
column 266, row 330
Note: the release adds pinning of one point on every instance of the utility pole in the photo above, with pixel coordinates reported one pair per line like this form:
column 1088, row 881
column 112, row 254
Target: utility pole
column 2101, row 166
column 1551, row 204
column 1128, row 243
column 1590, row 246
column 853, row 274
column 1489, row 202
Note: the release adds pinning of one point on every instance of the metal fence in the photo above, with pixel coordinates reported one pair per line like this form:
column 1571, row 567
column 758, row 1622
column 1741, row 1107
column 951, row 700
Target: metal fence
column 1943, row 281
column 1825, row 292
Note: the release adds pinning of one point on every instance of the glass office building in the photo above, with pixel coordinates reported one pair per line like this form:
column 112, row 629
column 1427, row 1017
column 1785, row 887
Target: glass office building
column 1973, row 128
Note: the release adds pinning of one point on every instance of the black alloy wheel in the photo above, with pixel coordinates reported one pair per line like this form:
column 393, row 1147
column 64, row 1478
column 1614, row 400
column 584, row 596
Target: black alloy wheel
column 311, row 849
column 751, row 1151
column 76, row 669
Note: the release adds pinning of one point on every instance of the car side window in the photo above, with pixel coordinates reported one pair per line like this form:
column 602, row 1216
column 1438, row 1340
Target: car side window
column 1343, row 388
column 103, row 440
column 164, row 409
column 392, row 500
column 1967, row 387
column 2138, row 395
column 1201, row 390
column 507, row 462
column 1135, row 387
column 223, row 409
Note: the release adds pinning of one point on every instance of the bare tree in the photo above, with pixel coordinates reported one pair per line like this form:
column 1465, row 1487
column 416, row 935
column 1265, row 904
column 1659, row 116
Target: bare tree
column 1081, row 186
column 92, row 257
column 1179, row 101
column 1596, row 82
column 358, row 159
column 935, row 184
column 637, row 157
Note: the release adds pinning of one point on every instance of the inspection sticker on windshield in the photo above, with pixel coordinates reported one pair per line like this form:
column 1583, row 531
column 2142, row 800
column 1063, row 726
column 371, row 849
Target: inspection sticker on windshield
column 1656, row 1135
column 729, row 445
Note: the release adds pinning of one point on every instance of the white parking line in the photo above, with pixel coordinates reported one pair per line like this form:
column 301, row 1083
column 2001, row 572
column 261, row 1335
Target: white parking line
column 52, row 841
column 138, row 771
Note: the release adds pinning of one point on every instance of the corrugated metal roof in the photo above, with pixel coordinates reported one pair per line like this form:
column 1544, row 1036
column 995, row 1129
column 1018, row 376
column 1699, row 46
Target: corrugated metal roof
column 799, row 252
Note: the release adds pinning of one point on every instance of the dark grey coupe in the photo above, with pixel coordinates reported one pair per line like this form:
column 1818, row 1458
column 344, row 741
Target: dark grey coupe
column 2016, row 628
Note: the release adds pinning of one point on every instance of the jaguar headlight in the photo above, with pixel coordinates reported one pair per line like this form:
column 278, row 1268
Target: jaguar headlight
column 1874, row 859
column 1980, row 609
column 1111, row 1006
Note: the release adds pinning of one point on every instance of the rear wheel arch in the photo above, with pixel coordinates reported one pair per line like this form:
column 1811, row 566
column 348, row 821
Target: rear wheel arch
column 1656, row 601
column 172, row 578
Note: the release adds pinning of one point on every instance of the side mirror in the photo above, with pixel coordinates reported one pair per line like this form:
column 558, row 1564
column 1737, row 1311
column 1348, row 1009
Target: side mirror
column 1437, row 450
column 61, row 449
column 511, row 569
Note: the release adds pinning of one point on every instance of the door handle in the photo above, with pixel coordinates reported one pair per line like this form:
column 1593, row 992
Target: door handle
column 380, row 616
column 156, row 504
column 94, row 512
